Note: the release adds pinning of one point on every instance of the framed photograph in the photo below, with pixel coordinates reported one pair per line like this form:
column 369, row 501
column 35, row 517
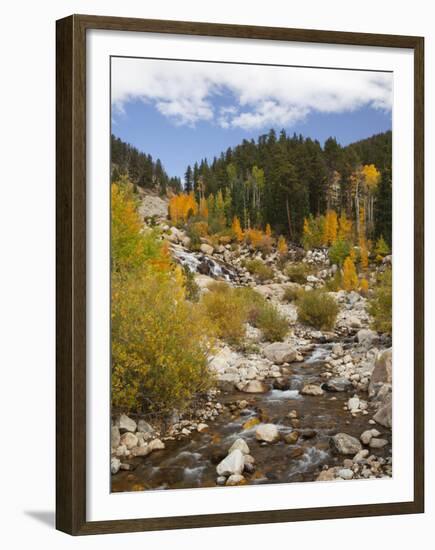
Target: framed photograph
column 239, row 275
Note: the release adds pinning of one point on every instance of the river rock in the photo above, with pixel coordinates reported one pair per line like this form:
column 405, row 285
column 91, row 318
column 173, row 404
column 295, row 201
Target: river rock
column 366, row 436
column 312, row 389
column 254, row 386
column 337, row 350
column 280, row 353
column 345, row 473
column 361, row 456
column 115, row 464
column 384, row 414
column 140, row 451
column 202, row 427
column 292, row 437
column 129, row 440
column 126, row 424
column 241, row 445
column 382, row 373
column 267, row 432
column 115, row 437
column 366, row 337
column 339, row 384
column 377, row 443
column 144, row 427
column 156, row 445
column 353, row 404
column 346, row 444
column 326, row 475
column 206, row 249
column 235, row 479
column 231, row 464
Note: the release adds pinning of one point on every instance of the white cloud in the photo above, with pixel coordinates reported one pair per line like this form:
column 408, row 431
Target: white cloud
column 186, row 92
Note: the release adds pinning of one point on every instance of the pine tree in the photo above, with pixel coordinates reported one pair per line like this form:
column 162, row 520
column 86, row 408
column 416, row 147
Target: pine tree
column 188, row 180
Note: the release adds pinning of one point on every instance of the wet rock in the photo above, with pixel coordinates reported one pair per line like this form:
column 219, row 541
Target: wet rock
column 206, row 249
column 345, row 444
column 156, row 445
column 339, row 384
column 281, row 384
column 353, row 404
column 296, row 452
column 254, row 386
column 126, row 424
column 382, row 373
column 267, row 432
column 377, row 443
column 144, row 427
column 309, row 434
column 202, row 427
column 235, row 479
column 312, row 389
column 221, row 480
column 384, row 413
column 129, row 440
column 115, row 437
column 366, row 337
column 337, row 349
column 115, row 464
column 292, row 437
column 140, row 451
column 231, row 464
column 280, row 353
column 241, row 445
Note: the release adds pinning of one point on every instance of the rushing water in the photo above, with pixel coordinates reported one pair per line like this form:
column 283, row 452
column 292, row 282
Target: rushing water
column 191, row 462
column 197, row 262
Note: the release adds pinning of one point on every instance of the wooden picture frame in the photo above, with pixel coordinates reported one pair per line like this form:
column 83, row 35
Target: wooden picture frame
column 71, row 273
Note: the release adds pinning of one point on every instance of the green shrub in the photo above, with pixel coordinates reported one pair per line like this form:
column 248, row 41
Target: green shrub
column 224, row 310
column 339, row 252
column 196, row 230
column 335, row 283
column 192, row 289
column 272, row 324
column 291, row 293
column 298, row 272
column 380, row 305
column 259, row 269
column 381, row 249
column 317, row 309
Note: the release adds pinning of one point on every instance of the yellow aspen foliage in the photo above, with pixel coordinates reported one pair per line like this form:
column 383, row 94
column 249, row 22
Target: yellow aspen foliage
column 364, row 286
column 344, row 228
column 268, row 230
column 282, row 246
column 237, row 229
column 182, row 206
column 254, row 237
column 362, row 223
column 363, row 254
column 307, row 228
column 372, row 176
column 330, row 228
column 350, row 277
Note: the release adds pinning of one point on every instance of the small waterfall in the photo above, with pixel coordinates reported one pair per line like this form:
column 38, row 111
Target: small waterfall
column 198, row 262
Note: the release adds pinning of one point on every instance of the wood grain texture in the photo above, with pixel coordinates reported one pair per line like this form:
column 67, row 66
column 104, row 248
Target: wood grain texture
column 71, row 273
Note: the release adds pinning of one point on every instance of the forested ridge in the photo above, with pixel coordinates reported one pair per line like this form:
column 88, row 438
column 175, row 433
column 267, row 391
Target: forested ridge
column 281, row 180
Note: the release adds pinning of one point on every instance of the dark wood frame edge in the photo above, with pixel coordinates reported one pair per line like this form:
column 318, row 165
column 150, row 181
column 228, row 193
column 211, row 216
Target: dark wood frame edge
column 71, row 273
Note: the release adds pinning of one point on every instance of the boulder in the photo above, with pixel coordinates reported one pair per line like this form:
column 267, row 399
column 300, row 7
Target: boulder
column 337, row 349
column 241, row 445
column 126, row 424
column 326, row 475
column 353, row 404
column 382, row 373
column 144, row 427
column 206, row 249
column 129, row 440
column 345, row 444
column 337, row 385
column 280, row 353
column 115, row 437
column 140, row 451
column 156, row 445
column 368, row 435
column 384, row 414
column 292, row 437
column 366, row 337
column 377, row 443
column 312, row 389
column 267, row 432
column 235, row 479
column 345, row 473
column 361, row 456
column 254, row 386
column 115, row 464
column 202, row 427
column 231, row 464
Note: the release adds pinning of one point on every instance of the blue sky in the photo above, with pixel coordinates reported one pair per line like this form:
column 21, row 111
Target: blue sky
column 182, row 112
